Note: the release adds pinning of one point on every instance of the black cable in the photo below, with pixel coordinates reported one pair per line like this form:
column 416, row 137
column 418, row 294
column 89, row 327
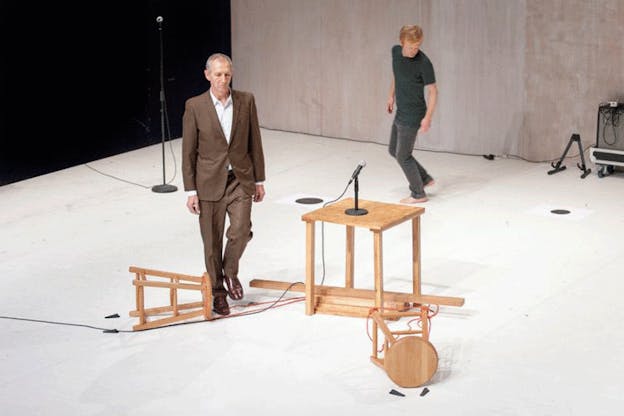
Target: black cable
column 62, row 323
column 322, row 259
column 271, row 305
column 429, row 150
column 117, row 178
column 138, row 184
column 108, row 330
column 175, row 164
column 323, row 232
column 610, row 115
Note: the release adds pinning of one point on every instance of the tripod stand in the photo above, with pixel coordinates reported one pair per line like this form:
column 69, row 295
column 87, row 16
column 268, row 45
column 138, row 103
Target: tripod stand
column 558, row 168
column 164, row 187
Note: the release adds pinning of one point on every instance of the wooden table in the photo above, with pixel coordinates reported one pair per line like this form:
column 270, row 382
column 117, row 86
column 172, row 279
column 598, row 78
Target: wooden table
column 347, row 300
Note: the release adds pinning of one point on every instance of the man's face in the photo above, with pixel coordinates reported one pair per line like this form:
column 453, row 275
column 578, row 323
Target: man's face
column 220, row 76
column 410, row 49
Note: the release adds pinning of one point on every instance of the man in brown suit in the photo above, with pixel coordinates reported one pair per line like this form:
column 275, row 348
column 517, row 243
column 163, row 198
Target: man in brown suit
column 223, row 171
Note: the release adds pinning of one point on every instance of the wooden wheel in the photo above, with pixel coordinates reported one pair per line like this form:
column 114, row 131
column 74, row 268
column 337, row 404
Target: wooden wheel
column 411, row 361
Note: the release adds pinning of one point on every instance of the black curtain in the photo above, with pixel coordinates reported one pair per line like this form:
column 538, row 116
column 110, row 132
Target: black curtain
column 81, row 81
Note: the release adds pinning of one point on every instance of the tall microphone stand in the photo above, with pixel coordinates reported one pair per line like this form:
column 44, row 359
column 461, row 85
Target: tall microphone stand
column 164, row 187
column 356, row 210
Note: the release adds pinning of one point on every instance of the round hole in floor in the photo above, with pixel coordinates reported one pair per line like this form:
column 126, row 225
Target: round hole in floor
column 309, row 200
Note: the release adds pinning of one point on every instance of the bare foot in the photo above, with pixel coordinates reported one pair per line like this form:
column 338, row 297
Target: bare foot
column 430, row 183
column 410, row 200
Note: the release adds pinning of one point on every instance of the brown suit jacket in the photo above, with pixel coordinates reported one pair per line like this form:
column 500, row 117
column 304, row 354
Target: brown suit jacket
column 205, row 150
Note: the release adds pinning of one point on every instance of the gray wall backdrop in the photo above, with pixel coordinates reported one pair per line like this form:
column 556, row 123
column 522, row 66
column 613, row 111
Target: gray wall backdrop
column 515, row 77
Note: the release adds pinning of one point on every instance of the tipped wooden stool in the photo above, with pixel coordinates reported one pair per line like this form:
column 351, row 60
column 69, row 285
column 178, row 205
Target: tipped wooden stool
column 409, row 361
column 172, row 312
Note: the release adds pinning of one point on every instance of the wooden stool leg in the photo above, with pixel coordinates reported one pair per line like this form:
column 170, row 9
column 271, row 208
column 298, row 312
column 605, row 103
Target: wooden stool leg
column 309, row 286
column 416, row 256
column 140, row 298
column 173, row 297
column 207, row 295
column 424, row 319
column 378, row 243
column 350, row 256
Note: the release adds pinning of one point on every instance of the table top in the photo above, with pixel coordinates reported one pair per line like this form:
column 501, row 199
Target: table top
column 381, row 215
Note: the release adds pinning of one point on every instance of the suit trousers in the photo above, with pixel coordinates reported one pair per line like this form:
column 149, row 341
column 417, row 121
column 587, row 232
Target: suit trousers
column 237, row 205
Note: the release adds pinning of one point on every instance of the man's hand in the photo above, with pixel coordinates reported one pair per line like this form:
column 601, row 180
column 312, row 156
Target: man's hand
column 259, row 194
column 425, row 124
column 192, row 203
column 390, row 105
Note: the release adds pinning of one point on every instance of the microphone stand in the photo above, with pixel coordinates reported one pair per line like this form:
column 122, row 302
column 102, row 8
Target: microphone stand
column 164, row 187
column 356, row 210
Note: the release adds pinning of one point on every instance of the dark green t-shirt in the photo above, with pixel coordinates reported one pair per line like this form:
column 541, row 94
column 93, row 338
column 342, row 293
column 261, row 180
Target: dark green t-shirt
column 410, row 77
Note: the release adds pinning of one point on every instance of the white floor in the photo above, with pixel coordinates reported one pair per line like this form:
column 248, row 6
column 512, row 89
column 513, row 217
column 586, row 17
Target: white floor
column 540, row 332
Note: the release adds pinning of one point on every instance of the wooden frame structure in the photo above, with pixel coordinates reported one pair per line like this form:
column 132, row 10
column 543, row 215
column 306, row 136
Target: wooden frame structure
column 348, row 300
column 173, row 312
column 410, row 361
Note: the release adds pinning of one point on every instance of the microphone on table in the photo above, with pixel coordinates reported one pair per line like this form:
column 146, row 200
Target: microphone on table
column 357, row 170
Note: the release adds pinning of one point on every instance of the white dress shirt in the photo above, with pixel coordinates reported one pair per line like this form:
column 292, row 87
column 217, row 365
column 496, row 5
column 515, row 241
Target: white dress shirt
column 224, row 113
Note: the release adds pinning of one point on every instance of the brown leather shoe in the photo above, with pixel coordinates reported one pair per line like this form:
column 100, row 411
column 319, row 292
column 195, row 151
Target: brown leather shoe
column 220, row 305
column 235, row 289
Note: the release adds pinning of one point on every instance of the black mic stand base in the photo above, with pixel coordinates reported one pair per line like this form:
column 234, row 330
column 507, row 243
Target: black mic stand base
column 356, row 211
column 164, row 188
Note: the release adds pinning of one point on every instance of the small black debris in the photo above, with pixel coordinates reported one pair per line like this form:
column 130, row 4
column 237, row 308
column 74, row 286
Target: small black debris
column 396, row 393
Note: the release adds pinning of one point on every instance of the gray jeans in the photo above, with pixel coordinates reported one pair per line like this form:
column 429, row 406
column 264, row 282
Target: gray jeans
column 402, row 139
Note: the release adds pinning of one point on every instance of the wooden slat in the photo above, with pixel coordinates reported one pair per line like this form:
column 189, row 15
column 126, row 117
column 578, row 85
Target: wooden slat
column 360, row 302
column 149, row 283
column 161, row 273
column 407, row 332
column 342, row 310
column 360, row 293
column 165, row 309
column 402, row 314
column 167, row 321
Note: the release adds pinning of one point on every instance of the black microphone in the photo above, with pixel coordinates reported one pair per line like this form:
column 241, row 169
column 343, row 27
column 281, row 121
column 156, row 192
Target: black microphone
column 159, row 20
column 357, row 170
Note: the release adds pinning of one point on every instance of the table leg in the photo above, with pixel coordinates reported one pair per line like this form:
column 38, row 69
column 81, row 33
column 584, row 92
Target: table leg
column 349, row 257
column 416, row 255
column 378, row 270
column 309, row 285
